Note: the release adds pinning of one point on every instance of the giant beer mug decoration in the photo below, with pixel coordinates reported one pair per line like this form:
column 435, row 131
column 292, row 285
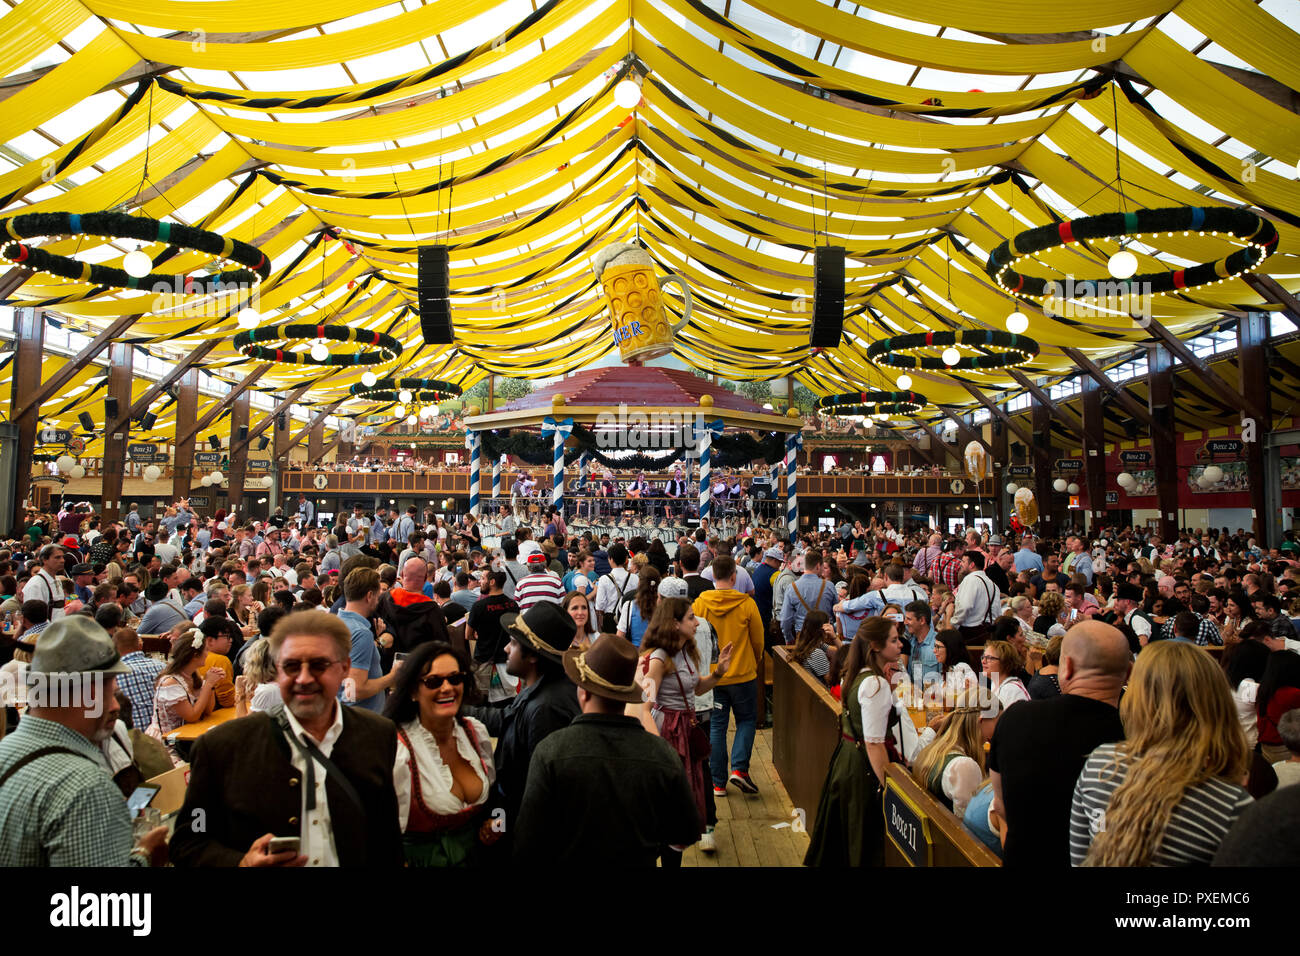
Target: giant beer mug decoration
column 640, row 322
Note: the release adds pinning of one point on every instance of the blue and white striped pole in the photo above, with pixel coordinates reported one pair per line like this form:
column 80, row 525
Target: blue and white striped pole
column 704, row 447
column 582, row 484
column 496, row 478
column 793, row 443
column 474, row 442
column 559, row 432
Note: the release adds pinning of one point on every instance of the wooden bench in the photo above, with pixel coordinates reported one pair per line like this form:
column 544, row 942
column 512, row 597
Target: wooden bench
column 805, row 731
column 937, row 837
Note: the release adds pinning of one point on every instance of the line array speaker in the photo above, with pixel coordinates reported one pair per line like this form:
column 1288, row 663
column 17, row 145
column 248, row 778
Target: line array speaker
column 828, row 297
column 433, row 291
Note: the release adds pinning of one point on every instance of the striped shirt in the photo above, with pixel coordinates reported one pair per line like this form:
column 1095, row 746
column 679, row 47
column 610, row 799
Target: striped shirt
column 139, row 685
column 1198, row 825
column 1207, row 632
column 540, row 586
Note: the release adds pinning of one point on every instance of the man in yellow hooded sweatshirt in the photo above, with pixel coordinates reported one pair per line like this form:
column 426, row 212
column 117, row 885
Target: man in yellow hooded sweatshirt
column 736, row 620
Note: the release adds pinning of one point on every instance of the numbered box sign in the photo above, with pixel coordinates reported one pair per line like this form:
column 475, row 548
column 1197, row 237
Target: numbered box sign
column 907, row 827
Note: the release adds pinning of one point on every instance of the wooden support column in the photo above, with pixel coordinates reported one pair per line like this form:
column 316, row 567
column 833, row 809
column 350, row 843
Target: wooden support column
column 29, row 346
column 967, row 432
column 938, row 444
column 316, row 440
column 1094, row 452
column 187, row 410
column 996, row 410
column 120, row 377
column 1164, row 447
column 237, row 470
column 1252, row 365
column 1001, row 445
column 1040, row 453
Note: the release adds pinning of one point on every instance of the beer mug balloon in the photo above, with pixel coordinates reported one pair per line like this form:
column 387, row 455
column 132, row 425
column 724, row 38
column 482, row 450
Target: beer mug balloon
column 977, row 462
column 640, row 323
column 1026, row 506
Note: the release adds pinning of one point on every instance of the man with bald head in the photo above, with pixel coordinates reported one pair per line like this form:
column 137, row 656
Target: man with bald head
column 1039, row 747
column 926, row 557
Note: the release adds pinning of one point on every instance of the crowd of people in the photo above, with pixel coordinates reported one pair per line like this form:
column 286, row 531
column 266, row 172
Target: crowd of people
column 366, row 669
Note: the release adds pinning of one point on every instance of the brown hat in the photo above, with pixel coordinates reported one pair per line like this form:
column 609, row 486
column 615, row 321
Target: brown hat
column 606, row 669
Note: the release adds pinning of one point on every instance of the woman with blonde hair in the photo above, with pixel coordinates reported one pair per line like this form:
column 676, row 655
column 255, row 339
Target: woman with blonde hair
column 1050, row 606
column 951, row 766
column 256, row 690
column 1022, row 609
column 1168, row 793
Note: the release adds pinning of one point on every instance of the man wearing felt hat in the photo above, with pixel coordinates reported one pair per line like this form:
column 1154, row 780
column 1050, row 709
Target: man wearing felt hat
column 603, row 791
column 546, row 701
column 58, row 803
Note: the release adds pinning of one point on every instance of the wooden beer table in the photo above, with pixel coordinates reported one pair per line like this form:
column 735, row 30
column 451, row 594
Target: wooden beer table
column 198, row 729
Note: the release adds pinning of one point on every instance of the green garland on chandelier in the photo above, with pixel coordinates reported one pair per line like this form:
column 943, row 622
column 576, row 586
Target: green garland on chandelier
column 727, row 451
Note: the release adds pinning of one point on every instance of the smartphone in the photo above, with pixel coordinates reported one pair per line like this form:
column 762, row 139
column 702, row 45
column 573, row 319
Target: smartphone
column 894, row 617
column 283, row 845
column 400, row 657
column 1074, row 612
column 139, row 799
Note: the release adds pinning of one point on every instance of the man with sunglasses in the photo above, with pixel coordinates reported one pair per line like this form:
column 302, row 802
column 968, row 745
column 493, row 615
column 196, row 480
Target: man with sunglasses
column 309, row 768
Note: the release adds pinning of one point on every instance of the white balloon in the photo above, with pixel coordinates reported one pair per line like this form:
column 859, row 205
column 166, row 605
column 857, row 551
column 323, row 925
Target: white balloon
column 1060, row 484
column 1012, row 487
column 1123, row 264
column 65, row 462
column 152, row 472
column 77, row 471
column 1213, row 473
column 1072, row 489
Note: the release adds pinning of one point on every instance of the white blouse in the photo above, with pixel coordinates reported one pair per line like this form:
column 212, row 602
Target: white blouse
column 1247, row 712
column 1011, row 691
column 435, row 776
column 876, row 698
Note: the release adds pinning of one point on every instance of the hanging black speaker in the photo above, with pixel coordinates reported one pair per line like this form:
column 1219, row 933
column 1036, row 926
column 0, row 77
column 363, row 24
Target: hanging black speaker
column 243, row 433
column 262, row 442
column 147, row 421
column 828, row 297
column 87, row 422
column 434, row 290
column 110, row 406
column 214, row 441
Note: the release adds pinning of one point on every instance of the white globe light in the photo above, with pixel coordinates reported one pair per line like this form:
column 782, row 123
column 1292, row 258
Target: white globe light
column 1072, row 489
column 1213, row 473
column 319, row 352
column 65, row 462
column 429, row 411
column 368, row 379
column 247, row 318
column 405, row 396
column 1060, row 484
column 1122, row 265
column 77, row 471
column 627, row 94
column 1012, row 487
column 205, row 480
column 399, row 411
column 137, row 264
column 951, row 356
column 267, row 481
column 1125, row 480
column 1017, row 322
column 905, row 382
column 412, row 419
column 217, row 477
column 152, row 472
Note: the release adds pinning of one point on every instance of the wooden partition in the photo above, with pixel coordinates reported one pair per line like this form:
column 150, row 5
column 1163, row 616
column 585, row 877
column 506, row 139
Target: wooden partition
column 930, row 833
column 805, row 730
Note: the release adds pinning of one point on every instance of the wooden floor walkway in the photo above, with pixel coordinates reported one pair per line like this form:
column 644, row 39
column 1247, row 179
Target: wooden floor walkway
column 756, row 830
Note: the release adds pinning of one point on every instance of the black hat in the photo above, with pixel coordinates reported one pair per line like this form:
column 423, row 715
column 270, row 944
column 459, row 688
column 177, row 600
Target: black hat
column 544, row 628
column 82, row 569
column 156, row 591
